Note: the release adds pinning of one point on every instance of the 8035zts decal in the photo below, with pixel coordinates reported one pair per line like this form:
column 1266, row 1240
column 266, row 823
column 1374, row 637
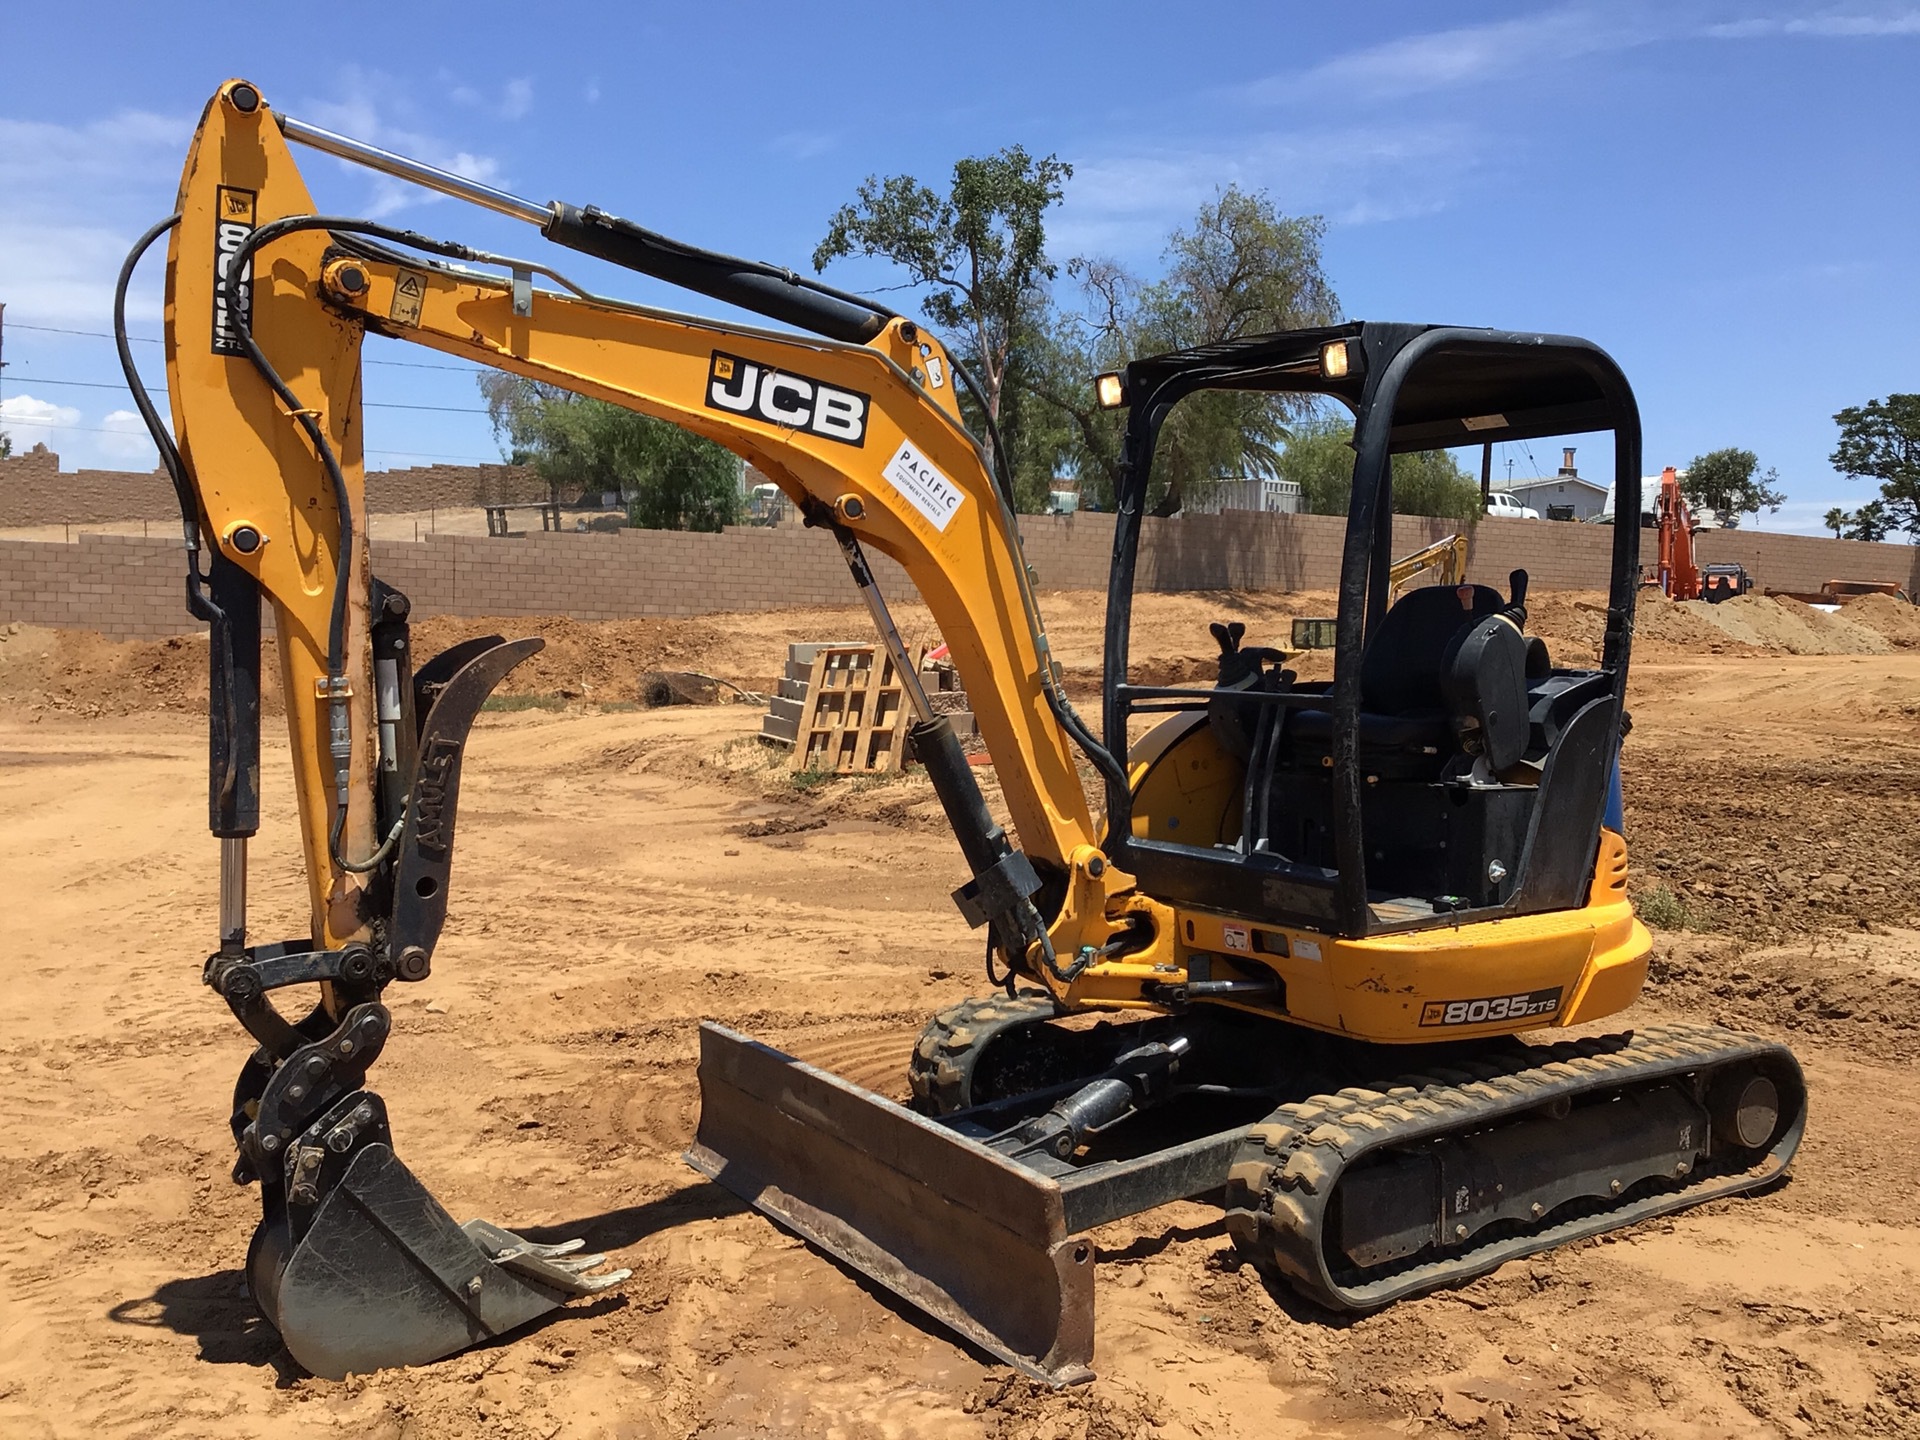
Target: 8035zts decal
column 1492, row 1009
column 232, row 293
column 747, row 388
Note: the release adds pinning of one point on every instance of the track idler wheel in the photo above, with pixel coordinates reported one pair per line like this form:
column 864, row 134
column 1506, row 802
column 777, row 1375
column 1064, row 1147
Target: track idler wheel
column 946, row 1070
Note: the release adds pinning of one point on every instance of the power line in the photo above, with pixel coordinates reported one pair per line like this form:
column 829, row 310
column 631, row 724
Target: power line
column 162, row 390
column 150, row 340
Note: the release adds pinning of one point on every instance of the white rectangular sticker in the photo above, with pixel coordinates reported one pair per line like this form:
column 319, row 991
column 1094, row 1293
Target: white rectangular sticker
column 922, row 486
column 1306, row 949
column 1235, row 937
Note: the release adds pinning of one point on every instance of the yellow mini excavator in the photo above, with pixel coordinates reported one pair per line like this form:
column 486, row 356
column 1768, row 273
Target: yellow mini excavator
column 1316, row 917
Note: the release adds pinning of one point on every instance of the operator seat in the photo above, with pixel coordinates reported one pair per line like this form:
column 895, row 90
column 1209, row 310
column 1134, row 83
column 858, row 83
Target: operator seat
column 1446, row 670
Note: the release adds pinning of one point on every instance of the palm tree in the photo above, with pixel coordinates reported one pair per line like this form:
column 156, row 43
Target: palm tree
column 1837, row 521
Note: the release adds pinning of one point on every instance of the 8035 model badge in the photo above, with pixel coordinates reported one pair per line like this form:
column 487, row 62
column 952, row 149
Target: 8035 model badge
column 1494, row 1008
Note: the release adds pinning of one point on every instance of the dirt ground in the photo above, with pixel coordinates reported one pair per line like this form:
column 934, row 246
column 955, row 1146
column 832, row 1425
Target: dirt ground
column 625, row 872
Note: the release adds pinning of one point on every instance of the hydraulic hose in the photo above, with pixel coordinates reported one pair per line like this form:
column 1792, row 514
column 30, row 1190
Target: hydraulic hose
column 1102, row 758
column 340, row 734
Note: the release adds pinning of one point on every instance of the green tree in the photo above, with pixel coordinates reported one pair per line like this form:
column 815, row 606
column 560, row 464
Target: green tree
column 1881, row 441
column 1731, row 483
column 1837, row 521
column 979, row 251
column 669, row 478
column 1431, row 482
column 1870, row 522
column 1242, row 268
column 6, row 445
column 1319, row 459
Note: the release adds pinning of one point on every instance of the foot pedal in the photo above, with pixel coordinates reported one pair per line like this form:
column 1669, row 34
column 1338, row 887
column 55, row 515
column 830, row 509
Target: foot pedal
column 383, row 1276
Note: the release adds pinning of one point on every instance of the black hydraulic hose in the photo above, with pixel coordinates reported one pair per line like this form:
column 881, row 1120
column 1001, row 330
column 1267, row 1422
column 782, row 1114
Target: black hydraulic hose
column 340, row 732
column 340, row 737
column 163, row 441
column 1063, row 711
column 1251, row 819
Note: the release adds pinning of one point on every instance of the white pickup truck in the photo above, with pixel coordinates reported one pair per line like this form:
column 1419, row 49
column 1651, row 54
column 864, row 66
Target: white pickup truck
column 1503, row 506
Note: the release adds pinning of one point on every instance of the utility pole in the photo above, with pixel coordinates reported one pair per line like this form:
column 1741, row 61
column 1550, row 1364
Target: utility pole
column 3, row 360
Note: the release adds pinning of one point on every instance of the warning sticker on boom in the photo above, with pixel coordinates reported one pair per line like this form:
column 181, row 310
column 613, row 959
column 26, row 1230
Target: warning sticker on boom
column 1532, row 1004
column 408, row 293
column 922, row 486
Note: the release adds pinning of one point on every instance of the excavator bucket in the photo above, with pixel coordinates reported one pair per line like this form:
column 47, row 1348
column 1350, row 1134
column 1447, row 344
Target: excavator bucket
column 378, row 1274
column 949, row 1225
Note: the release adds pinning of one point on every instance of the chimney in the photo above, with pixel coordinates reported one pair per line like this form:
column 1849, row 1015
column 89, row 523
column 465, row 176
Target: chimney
column 1566, row 463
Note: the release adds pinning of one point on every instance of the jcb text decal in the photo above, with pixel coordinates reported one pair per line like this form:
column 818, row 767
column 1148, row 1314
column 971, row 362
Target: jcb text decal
column 232, row 292
column 1492, row 1009
column 748, row 388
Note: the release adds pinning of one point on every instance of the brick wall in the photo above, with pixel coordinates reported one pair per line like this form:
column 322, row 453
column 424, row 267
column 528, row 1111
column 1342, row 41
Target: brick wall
column 35, row 491
column 131, row 587
column 422, row 487
column 1803, row 562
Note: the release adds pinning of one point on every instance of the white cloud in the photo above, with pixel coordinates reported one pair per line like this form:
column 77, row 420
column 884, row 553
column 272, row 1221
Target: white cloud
column 1125, row 204
column 29, row 421
column 1827, row 26
column 67, row 192
column 373, row 107
column 126, row 441
column 1446, row 59
column 514, row 103
column 803, row 144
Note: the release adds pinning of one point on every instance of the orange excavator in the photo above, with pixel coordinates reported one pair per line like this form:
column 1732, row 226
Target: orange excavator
column 1678, row 575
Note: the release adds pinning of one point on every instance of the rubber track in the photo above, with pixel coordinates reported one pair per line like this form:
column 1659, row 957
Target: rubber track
column 944, row 1057
column 1281, row 1187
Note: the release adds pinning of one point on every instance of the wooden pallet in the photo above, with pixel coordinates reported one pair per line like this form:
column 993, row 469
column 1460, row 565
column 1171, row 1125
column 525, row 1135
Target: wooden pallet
column 855, row 715
column 785, row 707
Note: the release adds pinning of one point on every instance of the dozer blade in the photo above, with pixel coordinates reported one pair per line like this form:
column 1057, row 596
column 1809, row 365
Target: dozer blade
column 947, row 1224
column 383, row 1276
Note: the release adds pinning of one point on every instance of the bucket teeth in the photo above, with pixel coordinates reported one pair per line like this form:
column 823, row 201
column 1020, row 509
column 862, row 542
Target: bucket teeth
column 560, row 1267
column 382, row 1276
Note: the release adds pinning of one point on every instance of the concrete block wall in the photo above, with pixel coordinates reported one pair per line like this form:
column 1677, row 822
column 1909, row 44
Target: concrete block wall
column 34, row 490
column 130, row 587
column 126, row 587
column 1803, row 562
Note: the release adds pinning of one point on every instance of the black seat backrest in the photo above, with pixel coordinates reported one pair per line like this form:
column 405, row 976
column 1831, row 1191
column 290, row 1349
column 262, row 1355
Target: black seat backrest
column 1484, row 680
column 1400, row 673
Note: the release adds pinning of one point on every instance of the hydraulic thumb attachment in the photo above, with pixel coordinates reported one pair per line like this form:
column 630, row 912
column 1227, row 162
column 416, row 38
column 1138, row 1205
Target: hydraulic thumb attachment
column 354, row 1261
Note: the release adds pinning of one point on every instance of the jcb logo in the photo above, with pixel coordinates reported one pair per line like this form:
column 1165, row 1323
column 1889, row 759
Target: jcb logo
column 747, row 388
column 232, row 291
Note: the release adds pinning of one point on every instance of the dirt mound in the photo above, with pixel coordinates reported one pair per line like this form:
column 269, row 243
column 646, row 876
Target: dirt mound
column 583, row 659
column 82, row 673
column 1862, row 992
column 1683, row 629
column 1776, row 623
column 1898, row 620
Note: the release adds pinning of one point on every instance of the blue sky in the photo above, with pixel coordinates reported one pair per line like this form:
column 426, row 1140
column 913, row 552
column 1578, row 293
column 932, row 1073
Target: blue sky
column 1724, row 195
